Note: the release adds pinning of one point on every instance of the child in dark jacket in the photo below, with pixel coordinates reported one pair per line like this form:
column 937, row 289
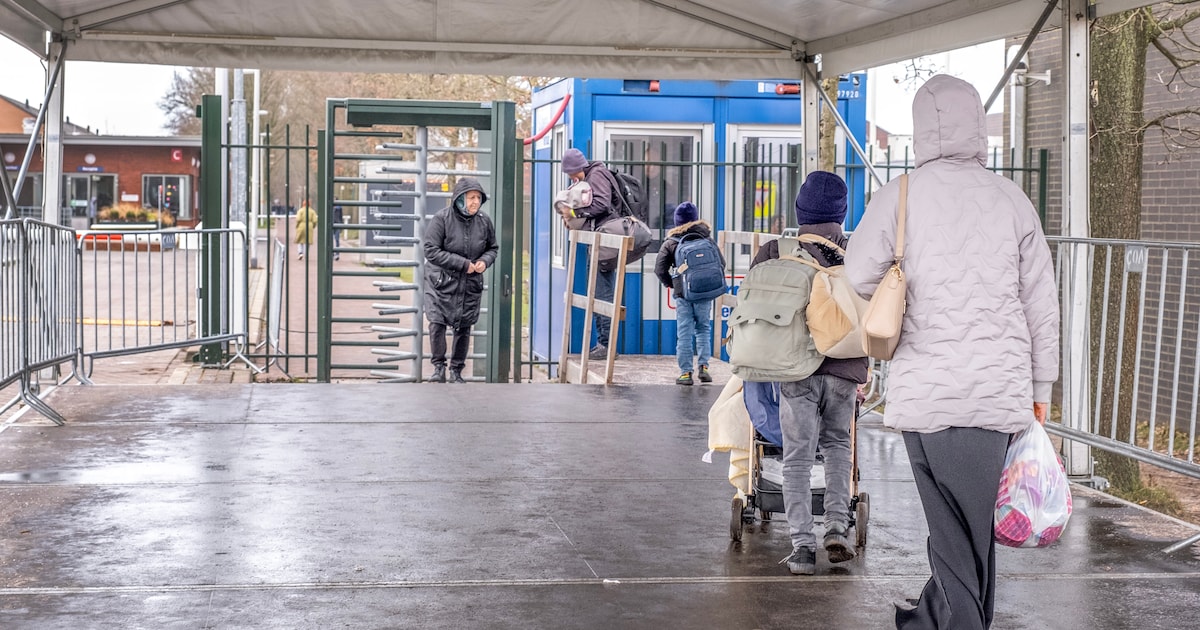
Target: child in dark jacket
column 818, row 410
column 693, row 318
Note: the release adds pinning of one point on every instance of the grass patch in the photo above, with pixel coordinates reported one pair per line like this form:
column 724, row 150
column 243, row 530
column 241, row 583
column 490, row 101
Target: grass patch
column 1157, row 499
column 1179, row 445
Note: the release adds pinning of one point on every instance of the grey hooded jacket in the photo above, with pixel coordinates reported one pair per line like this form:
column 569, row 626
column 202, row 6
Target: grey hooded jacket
column 980, row 339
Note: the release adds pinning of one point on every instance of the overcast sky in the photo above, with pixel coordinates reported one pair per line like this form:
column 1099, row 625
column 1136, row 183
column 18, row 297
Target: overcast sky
column 114, row 98
column 122, row 99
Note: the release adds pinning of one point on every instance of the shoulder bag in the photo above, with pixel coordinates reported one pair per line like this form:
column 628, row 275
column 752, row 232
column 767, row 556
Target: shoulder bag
column 885, row 313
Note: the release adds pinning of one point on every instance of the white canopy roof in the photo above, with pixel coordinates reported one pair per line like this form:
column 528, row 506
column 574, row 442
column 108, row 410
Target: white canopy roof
column 685, row 39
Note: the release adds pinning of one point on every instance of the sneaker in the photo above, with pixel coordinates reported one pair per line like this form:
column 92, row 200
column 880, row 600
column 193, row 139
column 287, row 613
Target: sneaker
column 836, row 544
column 803, row 561
column 684, row 379
column 598, row 352
column 705, row 377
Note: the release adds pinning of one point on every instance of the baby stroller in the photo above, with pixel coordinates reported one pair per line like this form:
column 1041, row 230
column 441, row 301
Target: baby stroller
column 766, row 468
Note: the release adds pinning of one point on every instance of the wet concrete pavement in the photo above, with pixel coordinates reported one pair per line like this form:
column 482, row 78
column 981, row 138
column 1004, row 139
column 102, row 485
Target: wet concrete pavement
column 481, row 506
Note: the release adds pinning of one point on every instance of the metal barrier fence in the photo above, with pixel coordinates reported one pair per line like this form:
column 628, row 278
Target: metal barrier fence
column 144, row 290
column 1130, row 370
column 12, row 309
column 39, row 296
column 1138, row 322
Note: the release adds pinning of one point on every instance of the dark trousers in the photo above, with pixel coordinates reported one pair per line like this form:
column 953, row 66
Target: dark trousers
column 606, row 286
column 957, row 471
column 462, row 341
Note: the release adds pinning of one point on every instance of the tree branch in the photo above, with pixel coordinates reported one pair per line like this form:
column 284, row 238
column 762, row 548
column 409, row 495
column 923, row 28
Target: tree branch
column 1178, row 22
column 1176, row 136
column 1158, row 120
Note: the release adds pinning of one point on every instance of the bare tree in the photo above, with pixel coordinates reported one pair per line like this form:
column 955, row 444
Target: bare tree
column 179, row 103
column 1119, row 46
column 915, row 72
column 295, row 103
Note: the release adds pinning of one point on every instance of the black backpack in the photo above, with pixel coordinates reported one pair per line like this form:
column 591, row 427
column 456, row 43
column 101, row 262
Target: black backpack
column 633, row 199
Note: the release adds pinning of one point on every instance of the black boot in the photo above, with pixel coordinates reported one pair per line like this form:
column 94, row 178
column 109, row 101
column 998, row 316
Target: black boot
column 456, row 376
column 439, row 374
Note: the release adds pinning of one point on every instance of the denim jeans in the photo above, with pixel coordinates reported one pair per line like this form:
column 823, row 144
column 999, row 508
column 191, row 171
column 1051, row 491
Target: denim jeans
column 693, row 330
column 816, row 410
column 606, row 286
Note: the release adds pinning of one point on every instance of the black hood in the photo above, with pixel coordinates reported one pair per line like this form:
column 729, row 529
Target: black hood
column 462, row 187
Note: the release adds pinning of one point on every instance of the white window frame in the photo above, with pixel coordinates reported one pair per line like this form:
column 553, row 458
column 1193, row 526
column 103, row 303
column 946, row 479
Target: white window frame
column 603, row 131
column 736, row 135
column 558, row 182
column 185, row 193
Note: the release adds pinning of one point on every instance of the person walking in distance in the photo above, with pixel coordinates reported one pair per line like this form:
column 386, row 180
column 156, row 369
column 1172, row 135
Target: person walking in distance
column 339, row 217
column 693, row 317
column 306, row 228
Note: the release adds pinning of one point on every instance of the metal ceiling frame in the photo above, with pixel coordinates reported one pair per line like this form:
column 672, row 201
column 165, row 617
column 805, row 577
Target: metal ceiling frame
column 731, row 23
column 101, row 17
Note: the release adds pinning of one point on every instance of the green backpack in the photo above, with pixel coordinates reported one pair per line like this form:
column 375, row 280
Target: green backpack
column 768, row 337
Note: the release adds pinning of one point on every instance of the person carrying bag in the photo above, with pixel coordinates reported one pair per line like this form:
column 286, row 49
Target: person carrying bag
column 884, row 316
column 979, row 352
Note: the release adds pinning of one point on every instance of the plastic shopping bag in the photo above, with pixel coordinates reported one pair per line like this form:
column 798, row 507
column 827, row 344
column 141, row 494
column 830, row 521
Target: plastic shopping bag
column 1034, row 501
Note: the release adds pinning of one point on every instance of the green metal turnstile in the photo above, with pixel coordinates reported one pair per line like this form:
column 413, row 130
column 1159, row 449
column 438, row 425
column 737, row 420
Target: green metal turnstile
column 389, row 164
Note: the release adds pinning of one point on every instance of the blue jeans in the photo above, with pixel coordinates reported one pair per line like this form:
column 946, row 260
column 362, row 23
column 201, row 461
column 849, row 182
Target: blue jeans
column 693, row 329
column 816, row 410
column 606, row 286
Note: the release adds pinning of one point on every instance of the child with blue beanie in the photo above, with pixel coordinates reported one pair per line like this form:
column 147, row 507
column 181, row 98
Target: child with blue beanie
column 693, row 318
column 818, row 410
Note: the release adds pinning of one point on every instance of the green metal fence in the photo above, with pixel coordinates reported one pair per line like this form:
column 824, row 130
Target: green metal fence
column 749, row 187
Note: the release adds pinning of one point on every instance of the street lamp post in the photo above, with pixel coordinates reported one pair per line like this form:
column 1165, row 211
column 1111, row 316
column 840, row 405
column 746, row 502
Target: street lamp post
column 256, row 170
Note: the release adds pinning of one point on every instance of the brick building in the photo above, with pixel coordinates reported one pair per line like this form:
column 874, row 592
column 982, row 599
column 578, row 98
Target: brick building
column 1170, row 178
column 159, row 173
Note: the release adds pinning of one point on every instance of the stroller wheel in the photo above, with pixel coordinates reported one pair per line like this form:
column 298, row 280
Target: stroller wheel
column 862, row 513
column 735, row 519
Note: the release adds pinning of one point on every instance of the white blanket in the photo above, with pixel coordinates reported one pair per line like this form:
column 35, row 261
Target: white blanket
column 729, row 429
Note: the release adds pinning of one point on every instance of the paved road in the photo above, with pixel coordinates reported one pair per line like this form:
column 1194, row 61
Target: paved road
column 503, row 506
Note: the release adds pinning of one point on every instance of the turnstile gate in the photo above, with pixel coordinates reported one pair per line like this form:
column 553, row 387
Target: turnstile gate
column 389, row 165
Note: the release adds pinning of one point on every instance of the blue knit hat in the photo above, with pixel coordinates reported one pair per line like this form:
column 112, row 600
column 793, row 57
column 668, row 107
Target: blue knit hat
column 686, row 213
column 822, row 199
column 573, row 161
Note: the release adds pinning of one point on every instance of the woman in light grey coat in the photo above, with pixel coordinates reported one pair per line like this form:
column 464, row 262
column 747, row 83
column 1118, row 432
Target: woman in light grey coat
column 978, row 352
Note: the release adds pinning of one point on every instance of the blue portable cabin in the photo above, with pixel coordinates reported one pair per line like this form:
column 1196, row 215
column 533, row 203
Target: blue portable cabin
column 683, row 139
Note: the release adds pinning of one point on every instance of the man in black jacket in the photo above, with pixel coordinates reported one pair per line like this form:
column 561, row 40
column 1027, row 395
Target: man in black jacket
column 459, row 244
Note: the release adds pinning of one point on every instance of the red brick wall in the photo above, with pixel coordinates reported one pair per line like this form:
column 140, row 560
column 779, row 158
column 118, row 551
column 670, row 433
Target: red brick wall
column 128, row 163
column 12, row 118
column 131, row 163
